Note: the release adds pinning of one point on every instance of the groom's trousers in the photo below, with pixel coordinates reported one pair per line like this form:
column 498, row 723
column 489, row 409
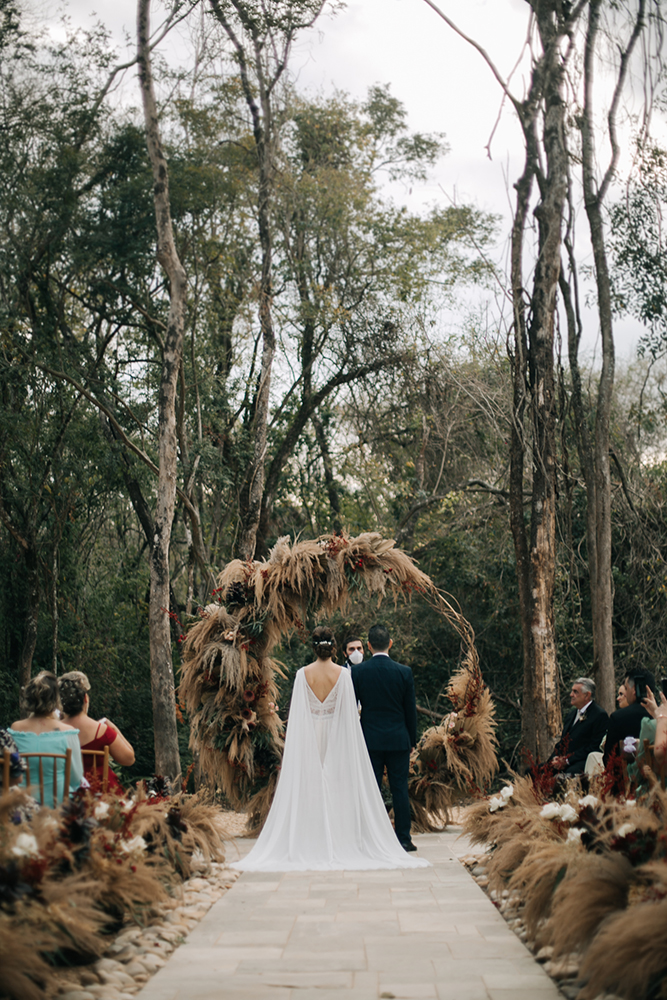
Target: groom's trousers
column 397, row 763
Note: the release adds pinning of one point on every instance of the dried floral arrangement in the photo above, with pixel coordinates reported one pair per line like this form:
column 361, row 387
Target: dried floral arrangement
column 70, row 876
column 228, row 677
column 455, row 760
column 592, row 872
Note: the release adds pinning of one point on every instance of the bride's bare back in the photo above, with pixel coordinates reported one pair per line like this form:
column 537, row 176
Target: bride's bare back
column 321, row 677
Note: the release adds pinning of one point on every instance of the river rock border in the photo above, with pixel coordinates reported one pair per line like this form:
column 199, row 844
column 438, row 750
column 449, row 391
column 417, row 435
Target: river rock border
column 564, row 970
column 138, row 952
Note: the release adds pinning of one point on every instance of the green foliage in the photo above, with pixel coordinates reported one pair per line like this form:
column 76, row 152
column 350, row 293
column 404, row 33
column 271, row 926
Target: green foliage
column 638, row 248
column 382, row 418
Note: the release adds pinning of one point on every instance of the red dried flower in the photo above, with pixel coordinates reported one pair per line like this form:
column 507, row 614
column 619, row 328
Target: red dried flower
column 248, row 695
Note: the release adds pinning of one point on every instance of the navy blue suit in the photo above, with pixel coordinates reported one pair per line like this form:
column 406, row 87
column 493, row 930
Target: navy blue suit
column 386, row 691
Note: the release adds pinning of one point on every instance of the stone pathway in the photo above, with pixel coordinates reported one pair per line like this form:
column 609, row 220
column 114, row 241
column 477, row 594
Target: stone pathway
column 425, row 933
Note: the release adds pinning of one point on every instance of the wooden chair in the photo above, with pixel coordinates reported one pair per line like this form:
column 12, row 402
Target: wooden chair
column 6, row 767
column 104, row 754
column 67, row 757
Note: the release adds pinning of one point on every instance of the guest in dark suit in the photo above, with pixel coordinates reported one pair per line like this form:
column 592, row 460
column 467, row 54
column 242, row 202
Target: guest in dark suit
column 386, row 692
column 627, row 719
column 584, row 728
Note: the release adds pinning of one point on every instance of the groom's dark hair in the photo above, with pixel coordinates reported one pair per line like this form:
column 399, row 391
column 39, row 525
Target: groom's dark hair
column 379, row 638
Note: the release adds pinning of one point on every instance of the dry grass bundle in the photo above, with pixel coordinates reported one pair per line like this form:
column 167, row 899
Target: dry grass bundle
column 456, row 758
column 68, row 875
column 521, row 833
column 485, row 826
column 70, row 907
column 595, row 886
column 24, row 973
column 629, row 954
column 538, row 875
column 228, row 679
column 588, row 869
column 178, row 828
column 46, row 910
column 479, row 824
column 258, row 806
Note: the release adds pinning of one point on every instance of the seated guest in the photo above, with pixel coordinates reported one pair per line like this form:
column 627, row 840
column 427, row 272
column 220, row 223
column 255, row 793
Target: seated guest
column 25, row 805
column 583, row 730
column 647, row 734
column 43, row 732
column 93, row 735
column 660, row 746
column 627, row 719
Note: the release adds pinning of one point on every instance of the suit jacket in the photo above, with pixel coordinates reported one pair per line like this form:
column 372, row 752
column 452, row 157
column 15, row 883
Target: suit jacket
column 386, row 690
column 623, row 722
column 578, row 741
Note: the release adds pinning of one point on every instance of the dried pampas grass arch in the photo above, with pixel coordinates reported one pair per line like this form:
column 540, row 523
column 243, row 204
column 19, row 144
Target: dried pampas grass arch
column 228, row 683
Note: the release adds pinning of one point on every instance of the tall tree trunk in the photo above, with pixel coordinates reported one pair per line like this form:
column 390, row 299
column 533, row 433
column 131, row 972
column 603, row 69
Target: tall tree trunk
column 584, row 443
column 329, row 478
column 534, row 386
column 263, row 131
column 601, row 571
column 167, row 761
column 518, row 448
column 32, row 621
column 549, row 214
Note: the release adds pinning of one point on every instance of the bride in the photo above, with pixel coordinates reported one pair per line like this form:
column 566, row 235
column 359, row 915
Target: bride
column 327, row 813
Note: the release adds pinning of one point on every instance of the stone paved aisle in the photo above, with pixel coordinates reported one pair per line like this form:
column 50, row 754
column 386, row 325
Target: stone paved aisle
column 355, row 936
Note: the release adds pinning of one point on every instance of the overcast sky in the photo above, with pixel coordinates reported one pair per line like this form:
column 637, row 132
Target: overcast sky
column 444, row 84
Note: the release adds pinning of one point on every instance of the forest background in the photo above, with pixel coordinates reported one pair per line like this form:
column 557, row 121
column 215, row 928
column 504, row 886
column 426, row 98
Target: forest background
column 390, row 401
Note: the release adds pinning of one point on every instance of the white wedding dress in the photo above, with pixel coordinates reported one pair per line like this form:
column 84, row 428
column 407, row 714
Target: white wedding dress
column 327, row 813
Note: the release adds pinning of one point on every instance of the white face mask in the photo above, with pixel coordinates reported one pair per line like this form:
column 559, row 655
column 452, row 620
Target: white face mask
column 356, row 656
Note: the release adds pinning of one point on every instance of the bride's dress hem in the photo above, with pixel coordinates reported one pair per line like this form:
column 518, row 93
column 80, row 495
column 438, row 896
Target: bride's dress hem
column 327, row 813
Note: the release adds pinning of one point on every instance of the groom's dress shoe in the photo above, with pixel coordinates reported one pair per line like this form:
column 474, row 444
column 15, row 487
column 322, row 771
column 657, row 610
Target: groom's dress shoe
column 409, row 846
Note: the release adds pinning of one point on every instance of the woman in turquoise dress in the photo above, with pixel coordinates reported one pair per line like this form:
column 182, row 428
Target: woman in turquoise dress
column 43, row 732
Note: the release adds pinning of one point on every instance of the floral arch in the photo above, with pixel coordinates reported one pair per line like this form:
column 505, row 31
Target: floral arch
column 229, row 678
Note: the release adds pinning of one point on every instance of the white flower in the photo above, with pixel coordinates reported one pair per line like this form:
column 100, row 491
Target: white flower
column 588, row 800
column 631, row 802
column 496, row 803
column 25, row 846
column 136, row 844
column 625, row 829
column 101, row 810
column 126, row 805
column 550, row 811
column 574, row 835
column 630, row 744
column 568, row 814
column 507, row 791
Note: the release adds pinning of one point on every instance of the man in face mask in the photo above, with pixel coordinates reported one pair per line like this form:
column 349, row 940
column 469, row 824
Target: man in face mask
column 354, row 651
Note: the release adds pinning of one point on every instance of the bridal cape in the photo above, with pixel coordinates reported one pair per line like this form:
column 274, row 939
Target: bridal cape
column 327, row 813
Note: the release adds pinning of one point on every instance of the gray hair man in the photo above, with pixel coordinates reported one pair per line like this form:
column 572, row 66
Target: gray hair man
column 583, row 730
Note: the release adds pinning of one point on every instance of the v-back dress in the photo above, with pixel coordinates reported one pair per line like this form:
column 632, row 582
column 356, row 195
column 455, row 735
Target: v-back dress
column 327, row 813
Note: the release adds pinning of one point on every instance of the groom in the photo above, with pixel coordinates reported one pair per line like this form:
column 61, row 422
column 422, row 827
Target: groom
column 386, row 692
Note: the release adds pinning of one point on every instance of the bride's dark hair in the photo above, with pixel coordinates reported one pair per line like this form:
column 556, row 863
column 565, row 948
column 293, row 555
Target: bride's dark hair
column 324, row 642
